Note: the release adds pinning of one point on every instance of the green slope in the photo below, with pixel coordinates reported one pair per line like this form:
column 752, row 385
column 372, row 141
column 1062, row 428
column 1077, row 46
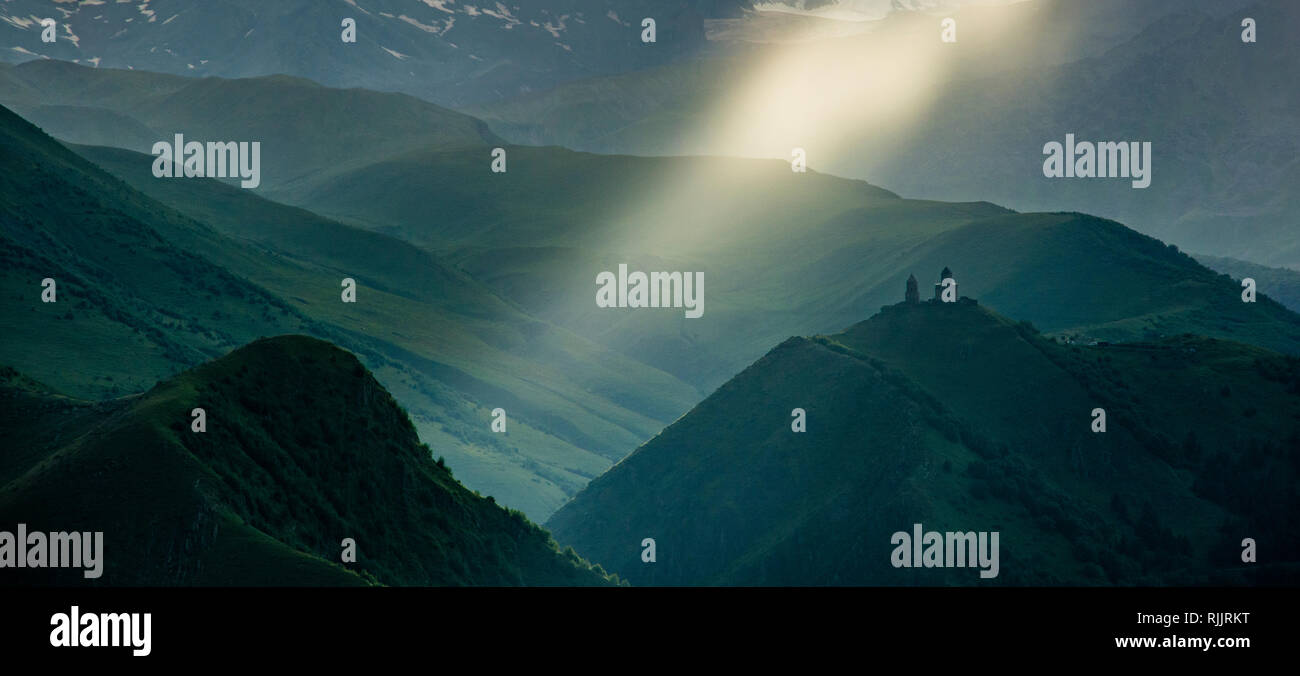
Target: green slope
column 1282, row 284
column 553, row 196
column 89, row 124
column 131, row 305
column 303, row 448
column 145, row 290
column 957, row 418
column 573, row 405
column 304, row 128
column 783, row 253
column 1077, row 274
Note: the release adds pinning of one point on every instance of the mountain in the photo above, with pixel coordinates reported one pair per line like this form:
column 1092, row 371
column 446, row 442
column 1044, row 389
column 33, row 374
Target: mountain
column 497, row 310
column 675, row 108
column 89, row 124
column 1222, row 176
column 933, row 120
column 125, row 297
column 954, row 417
column 304, row 128
column 784, row 253
column 302, row 449
column 449, row 349
column 538, row 234
column 444, row 51
column 1282, row 284
column 145, row 290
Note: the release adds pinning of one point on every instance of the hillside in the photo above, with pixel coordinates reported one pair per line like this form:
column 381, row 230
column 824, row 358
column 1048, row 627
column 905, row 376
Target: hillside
column 488, row 301
column 574, row 406
column 785, row 253
column 146, row 290
column 1282, row 283
column 304, row 128
column 302, row 449
column 1175, row 74
column 1079, row 275
column 921, row 415
column 131, row 306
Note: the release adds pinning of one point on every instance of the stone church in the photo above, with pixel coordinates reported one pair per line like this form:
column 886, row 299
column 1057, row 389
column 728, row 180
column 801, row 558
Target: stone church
column 913, row 294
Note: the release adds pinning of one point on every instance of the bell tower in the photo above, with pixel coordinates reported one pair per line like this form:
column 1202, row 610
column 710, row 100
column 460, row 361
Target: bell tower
column 938, row 288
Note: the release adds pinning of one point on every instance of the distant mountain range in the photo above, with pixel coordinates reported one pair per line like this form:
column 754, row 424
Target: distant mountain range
column 954, row 417
column 447, row 51
column 305, row 129
column 479, row 344
column 484, row 281
column 1176, row 74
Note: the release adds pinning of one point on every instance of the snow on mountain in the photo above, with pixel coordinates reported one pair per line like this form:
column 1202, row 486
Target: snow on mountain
column 451, row 51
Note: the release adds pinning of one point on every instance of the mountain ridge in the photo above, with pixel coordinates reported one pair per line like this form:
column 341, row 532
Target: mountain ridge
column 302, row 448
column 458, row 351
column 920, row 415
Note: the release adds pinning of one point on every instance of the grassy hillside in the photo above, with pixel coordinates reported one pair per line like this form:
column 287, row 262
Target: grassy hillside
column 1083, row 276
column 553, row 196
column 131, row 305
column 449, row 349
column 959, row 419
column 304, row 128
column 145, row 290
column 303, row 448
column 783, row 253
column 1282, row 284
column 89, row 124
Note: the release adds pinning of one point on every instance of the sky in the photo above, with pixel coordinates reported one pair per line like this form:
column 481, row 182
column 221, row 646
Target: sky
column 867, row 10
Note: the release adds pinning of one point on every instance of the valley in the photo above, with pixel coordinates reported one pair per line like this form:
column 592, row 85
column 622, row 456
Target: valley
column 357, row 347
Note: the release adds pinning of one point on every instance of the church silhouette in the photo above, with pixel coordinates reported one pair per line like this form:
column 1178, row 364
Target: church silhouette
column 913, row 294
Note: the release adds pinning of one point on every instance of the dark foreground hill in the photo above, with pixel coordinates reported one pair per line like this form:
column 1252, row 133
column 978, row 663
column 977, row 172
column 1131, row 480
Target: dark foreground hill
column 953, row 417
column 302, row 449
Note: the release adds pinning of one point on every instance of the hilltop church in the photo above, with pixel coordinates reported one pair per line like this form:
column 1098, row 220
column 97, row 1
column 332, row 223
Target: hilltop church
column 913, row 294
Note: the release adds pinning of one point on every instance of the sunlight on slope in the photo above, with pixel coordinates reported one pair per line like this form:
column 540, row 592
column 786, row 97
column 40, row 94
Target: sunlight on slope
column 829, row 97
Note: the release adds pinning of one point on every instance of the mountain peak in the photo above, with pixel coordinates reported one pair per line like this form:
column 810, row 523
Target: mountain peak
column 252, row 469
column 798, row 470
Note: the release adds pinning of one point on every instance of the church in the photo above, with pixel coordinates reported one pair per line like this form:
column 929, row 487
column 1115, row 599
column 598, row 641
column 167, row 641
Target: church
column 913, row 294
